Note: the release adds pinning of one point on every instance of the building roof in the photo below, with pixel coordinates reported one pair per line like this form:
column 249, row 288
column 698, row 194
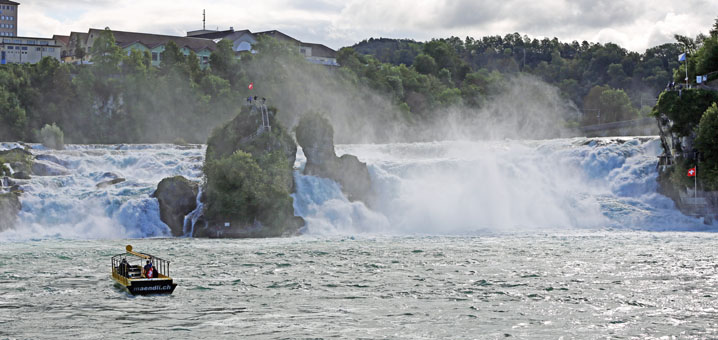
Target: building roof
column 23, row 41
column 279, row 36
column 321, row 51
column 219, row 34
column 64, row 39
column 125, row 39
column 7, row 2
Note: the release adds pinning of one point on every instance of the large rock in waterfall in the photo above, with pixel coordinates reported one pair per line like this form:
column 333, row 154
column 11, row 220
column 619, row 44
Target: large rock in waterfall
column 46, row 168
column 177, row 197
column 316, row 137
column 9, row 208
column 20, row 160
column 249, row 179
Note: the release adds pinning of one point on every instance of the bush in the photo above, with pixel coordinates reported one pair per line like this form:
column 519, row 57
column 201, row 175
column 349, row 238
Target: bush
column 241, row 190
column 685, row 109
column 180, row 141
column 707, row 139
column 51, row 136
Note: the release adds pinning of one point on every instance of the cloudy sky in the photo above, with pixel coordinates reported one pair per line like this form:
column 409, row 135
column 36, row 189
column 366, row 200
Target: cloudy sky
column 634, row 24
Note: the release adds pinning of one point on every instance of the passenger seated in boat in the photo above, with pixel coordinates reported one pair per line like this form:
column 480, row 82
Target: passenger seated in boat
column 149, row 270
column 124, row 267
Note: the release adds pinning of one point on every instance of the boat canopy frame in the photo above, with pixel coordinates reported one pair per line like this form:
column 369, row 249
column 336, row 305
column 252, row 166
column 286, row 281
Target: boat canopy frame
column 162, row 266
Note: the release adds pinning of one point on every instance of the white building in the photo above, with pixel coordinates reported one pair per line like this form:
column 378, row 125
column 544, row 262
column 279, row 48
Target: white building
column 18, row 50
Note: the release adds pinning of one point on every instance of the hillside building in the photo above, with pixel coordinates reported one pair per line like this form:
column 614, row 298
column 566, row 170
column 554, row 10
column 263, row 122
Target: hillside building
column 242, row 41
column 19, row 50
column 8, row 18
column 79, row 47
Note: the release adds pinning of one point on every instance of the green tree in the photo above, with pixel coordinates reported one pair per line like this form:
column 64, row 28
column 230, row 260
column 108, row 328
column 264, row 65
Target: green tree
column 12, row 116
column 223, row 62
column 707, row 144
column 172, row 57
column 425, row 64
column 52, row 137
column 707, row 56
column 106, row 54
column 714, row 29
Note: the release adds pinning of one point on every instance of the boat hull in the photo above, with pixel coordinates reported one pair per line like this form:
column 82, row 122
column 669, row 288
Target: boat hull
column 149, row 286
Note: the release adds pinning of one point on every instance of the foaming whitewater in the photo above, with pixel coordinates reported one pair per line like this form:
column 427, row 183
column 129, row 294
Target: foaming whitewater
column 72, row 206
column 446, row 188
column 441, row 188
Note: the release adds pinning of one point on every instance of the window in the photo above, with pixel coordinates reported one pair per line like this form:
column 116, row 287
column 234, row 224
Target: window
column 37, row 48
column 24, row 48
column 155, row 56
column 10, row 47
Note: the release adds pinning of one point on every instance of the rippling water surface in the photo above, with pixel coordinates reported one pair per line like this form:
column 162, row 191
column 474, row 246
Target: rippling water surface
column 591, row 284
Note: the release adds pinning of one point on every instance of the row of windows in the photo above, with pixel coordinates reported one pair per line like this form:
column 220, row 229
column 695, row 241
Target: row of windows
column 7, row 26
column 6, row 34
column 9, row 8
column 39, row 49
column 156, row 57
column 16, row 52
column 5, row 17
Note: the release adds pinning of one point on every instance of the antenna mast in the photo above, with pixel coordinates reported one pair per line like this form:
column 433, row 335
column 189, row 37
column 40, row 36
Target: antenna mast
column 204, row 19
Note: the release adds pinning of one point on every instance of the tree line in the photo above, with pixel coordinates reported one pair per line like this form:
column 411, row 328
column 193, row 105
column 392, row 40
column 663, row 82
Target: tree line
column 384, row 87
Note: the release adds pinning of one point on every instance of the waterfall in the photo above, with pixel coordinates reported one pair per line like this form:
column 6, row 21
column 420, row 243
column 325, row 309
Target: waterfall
column 497, row 186
column 191, row 219
column 440, row 188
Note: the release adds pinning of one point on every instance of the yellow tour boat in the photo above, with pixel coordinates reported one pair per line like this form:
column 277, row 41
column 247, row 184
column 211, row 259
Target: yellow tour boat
column 142, row 274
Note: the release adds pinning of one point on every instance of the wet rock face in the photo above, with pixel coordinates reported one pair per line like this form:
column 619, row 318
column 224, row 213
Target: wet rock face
column 9, row 208
column 177, row 197
column 109, row 183
column 249, row 180
column 46, row 168
column 316, row 137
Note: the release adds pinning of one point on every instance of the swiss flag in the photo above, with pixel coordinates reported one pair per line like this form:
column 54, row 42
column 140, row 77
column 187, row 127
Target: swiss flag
column 692, row 172
column 251, row 86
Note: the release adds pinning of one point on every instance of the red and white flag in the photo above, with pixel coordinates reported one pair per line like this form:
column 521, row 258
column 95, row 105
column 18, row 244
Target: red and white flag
column 251, row 86
column 692, row 172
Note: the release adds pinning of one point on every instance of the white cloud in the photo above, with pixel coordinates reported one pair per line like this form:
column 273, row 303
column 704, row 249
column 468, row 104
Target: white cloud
column 635, row 25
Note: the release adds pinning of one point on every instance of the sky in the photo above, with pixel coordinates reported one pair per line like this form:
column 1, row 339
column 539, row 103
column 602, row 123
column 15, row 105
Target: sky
column 635, row 24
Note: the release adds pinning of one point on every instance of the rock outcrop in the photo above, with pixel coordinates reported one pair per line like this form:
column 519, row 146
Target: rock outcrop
column 177, row 197
column 46, row 168
column 9, row 208
column 111, row 182
column 316, row 137
column 20, row 160
column 249, row 179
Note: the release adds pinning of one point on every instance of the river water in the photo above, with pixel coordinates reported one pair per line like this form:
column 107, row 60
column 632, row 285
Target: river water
column 525, row 239
column 583, row 285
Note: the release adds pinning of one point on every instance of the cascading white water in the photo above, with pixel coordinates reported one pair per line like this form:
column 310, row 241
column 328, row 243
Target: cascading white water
column 439, row 188
column 73, row 206
column 191, row 219
column 472, row 187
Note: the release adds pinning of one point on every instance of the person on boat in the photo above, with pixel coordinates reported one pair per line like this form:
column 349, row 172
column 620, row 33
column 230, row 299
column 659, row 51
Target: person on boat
column 124, row 266
column 148, row 269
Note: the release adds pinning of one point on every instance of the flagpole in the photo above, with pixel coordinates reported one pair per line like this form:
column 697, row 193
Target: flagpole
column 687, row 69
column 695, row 179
